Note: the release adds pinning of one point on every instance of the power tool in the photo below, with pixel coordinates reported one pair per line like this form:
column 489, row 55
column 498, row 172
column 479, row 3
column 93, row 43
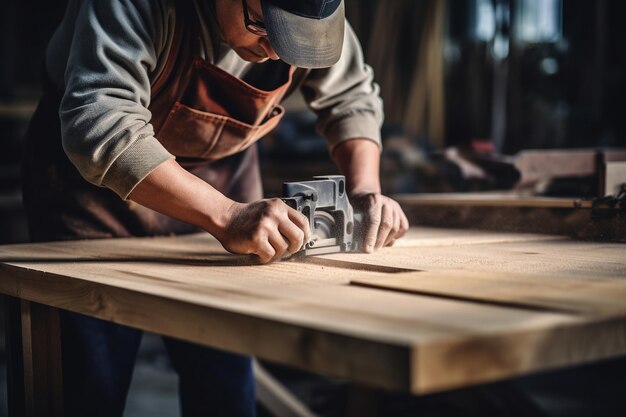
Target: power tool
column 324, row 201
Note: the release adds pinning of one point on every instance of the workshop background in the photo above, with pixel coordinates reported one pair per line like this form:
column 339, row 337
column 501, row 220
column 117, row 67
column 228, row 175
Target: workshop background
column 470, row 86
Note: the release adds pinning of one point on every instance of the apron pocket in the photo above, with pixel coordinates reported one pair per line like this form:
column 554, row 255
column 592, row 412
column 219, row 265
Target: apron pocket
column 192, row 133
column 189, row 132
column 237, row 136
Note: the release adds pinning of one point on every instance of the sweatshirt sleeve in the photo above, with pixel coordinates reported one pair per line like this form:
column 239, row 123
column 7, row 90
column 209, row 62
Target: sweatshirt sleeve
column 345, row 97
column 105, row 121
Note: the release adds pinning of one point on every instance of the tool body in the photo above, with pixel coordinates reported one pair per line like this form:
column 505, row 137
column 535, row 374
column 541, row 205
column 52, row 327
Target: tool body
column 332, row 220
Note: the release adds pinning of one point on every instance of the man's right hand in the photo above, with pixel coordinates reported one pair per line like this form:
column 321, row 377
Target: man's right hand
column 268, row 228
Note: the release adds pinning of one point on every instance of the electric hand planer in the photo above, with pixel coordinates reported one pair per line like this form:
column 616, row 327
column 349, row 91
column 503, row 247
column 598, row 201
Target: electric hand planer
column 324, row 201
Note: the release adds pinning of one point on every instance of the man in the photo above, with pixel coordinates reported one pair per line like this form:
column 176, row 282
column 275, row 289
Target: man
column 147, row 126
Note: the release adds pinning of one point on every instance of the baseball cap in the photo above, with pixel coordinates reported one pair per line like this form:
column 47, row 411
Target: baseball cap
column 305, row 33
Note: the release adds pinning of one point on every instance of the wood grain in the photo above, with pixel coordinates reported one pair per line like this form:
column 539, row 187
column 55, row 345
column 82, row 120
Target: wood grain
column 588, row 295
column 41, row 344
column 304, row 312
column 563, row 258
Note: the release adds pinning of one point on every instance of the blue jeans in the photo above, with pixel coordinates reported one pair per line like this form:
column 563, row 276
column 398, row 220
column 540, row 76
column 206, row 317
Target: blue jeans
column 98, row 360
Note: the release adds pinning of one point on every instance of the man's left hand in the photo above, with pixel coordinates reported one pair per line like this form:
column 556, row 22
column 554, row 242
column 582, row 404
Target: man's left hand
column 385, row 222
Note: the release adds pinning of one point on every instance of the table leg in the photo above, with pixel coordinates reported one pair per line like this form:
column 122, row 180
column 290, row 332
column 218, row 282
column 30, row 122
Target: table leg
column 33, row 359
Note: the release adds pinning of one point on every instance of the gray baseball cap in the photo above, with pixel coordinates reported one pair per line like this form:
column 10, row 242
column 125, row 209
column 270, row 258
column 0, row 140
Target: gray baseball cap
column 305, row 33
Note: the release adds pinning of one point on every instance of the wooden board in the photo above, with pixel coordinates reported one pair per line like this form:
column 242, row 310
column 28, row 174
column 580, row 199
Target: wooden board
column 304, row 312
column 589, row 295
column 490, row 199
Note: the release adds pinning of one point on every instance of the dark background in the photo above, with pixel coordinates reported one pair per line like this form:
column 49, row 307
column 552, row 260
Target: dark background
column 560, row 84
column 511, row 74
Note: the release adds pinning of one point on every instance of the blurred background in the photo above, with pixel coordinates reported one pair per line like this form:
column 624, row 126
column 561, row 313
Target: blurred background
column 523, row 96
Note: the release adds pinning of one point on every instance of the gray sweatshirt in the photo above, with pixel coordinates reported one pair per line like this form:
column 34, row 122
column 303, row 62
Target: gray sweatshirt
column 106, row 54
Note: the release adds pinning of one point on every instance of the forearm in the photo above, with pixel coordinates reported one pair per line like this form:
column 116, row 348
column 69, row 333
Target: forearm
column 173, row 191
column 359, row 160
column 266, row 228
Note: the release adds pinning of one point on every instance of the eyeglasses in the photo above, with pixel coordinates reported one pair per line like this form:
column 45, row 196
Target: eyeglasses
column 254, row 27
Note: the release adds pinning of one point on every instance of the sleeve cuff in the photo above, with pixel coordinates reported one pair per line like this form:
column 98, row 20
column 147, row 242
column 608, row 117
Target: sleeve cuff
column 134, row 164
column 360, row 126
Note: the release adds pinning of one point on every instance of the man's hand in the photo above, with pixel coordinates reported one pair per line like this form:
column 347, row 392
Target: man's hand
column 269, row 229
column 359, row 161
column 384, row 220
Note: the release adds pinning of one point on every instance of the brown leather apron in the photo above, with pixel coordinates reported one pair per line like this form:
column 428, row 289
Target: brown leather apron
column 204, row 116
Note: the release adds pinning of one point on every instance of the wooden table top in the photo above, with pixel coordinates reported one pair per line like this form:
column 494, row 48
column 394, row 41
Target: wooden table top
column 442, row 309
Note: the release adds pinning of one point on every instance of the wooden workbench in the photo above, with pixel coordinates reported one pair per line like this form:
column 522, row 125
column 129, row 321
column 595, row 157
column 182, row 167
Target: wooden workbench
column 442, row 309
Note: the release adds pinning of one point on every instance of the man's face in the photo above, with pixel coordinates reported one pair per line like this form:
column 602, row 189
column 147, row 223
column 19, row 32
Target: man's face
column 248, row 46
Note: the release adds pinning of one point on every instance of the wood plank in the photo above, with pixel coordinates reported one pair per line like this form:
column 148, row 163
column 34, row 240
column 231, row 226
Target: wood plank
column 377, row 345
column 41, row 344
column 33, row 359
column 419, row 237
column 358, row 358
column 551, row 258
column 588, row 295
column 304, row 314
column 438, row 364
column 541, row 164
column 275, row 397
column 16, row 403
column 573, row 222
column 274, row 292
column 490, row 200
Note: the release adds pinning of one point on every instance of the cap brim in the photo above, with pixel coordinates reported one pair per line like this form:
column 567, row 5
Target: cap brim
column 305, row 42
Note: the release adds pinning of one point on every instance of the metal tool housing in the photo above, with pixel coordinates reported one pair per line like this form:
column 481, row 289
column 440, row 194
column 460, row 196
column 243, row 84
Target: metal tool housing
column 325, row 203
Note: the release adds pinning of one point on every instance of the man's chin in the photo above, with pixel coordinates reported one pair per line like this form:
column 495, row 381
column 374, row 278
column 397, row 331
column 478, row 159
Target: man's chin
column 250, row 56
column 259, row 60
